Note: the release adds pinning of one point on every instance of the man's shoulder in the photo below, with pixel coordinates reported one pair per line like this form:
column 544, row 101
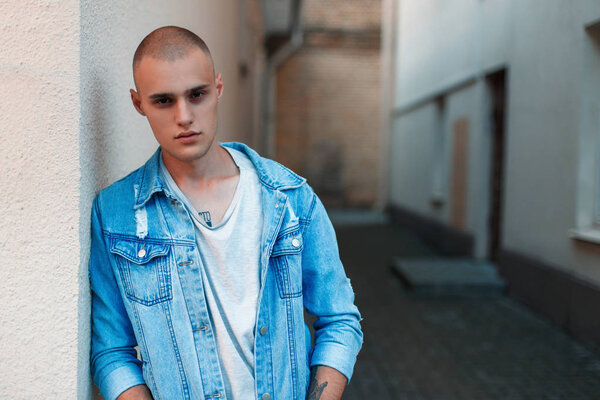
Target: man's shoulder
column 276, row 177
column 134, row 187
column 120, row 194
column 271, row 173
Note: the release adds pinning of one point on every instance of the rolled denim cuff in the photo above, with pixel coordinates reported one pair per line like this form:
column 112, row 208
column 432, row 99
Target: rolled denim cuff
column 336, row 356
column 119, row 380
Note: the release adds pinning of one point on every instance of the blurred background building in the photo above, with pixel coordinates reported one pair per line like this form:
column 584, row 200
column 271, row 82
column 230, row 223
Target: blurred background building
column 495, row 142
column 327, row 115
column 476, row 123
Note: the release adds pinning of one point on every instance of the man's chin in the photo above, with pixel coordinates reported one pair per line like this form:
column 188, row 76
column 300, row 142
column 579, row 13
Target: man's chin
column 190, row 156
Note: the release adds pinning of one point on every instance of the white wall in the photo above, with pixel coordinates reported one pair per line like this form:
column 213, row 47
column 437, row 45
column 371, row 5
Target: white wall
column 441, row 43
column 39, row 213
column 110, row 32
column 115, row 139
column 468, row 103
column 252, row 55
column 546, row 86
column 544, row 50
column 422, row 142
column 446, row 49
column 69, row 129
column 412, row 166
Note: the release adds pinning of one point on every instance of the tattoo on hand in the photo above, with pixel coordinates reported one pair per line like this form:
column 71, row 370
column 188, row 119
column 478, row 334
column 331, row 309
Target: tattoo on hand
column 315, row 390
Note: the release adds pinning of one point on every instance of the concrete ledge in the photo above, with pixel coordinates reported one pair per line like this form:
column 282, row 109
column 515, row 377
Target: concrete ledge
column 447, row 240
column 449, row 277
column 566, row 299
column 349, row 217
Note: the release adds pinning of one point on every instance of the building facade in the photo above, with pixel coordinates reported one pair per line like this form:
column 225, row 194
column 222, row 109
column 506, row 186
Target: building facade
column 495, row 142
column 327, row 102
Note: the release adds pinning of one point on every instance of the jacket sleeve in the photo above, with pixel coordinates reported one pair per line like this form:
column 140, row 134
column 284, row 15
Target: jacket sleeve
column 329, row 296
column 114, row 365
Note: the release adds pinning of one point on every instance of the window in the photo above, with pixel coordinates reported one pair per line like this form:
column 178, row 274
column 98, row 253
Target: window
column 439, row 162
column 588, row 201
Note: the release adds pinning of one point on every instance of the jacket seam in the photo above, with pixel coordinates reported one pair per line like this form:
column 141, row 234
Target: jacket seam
column 292, row 346
column 139, row 191
column 143, row 344
column 173, row 242
column 311, row 211
column 184, row 383
column 286, row 231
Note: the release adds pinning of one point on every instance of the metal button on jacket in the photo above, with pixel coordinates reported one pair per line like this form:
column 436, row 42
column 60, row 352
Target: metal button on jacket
column 263, row 330
column 141, row 253
column 296, row 243
column 266, row 396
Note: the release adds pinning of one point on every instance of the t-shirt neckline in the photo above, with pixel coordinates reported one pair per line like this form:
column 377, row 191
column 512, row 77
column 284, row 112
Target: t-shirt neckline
column 193, row 211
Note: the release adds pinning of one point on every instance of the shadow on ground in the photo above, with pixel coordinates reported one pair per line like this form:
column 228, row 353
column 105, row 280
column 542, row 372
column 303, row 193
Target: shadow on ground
column 428, row 348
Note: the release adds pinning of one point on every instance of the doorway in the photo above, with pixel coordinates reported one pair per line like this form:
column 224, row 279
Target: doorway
column 496, row 83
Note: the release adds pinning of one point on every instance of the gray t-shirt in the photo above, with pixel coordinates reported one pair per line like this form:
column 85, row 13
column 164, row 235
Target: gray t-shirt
column 230, row 254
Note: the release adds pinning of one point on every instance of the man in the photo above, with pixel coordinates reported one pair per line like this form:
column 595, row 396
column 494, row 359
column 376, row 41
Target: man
column 206, row 257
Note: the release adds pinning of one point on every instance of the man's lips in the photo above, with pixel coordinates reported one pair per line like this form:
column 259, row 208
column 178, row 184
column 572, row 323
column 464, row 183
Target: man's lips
column 187, row 134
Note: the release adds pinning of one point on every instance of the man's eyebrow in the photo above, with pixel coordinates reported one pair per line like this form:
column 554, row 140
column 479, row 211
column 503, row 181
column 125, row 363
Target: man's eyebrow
column 200, row 87
column 192, row 90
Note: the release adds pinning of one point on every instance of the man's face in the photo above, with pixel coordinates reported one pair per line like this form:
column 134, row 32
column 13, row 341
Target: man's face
column 179, row 98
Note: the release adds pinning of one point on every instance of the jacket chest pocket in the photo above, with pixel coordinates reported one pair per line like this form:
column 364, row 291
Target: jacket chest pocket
column 287, row 263
column 144, row 270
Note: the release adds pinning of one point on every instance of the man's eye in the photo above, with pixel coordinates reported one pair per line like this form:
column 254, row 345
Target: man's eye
column 197, row 95
column 162, row 100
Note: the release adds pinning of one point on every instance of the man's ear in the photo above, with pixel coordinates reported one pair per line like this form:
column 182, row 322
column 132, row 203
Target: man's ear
column 137, row 102
column 219, row 85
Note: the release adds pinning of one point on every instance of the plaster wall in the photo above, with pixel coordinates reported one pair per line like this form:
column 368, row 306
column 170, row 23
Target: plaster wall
column 545, row 93
column 422, row 144
column 467, row 104
column 442, row 43
column 544, row 51
column 39, row 213
column 69, row 130
column 114, row 138
column 412, row 167
column 252, row 61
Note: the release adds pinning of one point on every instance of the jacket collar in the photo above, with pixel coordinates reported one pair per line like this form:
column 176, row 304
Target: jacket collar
column 148, row 181
column 271, row 174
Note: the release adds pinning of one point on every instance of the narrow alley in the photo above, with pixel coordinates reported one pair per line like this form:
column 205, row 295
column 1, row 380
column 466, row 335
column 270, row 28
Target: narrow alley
column 430, row 348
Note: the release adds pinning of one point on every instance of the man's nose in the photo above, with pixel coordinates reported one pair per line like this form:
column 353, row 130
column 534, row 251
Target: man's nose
column 183, row 113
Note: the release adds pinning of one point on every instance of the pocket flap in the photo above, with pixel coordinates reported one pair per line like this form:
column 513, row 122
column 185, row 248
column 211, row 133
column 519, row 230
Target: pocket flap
column 288, row 243
column 138, row 252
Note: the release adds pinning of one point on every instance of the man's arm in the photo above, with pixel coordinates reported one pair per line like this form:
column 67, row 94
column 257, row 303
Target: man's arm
column 326, row 383
column 328, row 295
column 114, row 364
column 139, row 392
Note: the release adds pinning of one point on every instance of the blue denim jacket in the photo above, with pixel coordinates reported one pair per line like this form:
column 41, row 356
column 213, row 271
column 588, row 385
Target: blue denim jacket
column 147, row 291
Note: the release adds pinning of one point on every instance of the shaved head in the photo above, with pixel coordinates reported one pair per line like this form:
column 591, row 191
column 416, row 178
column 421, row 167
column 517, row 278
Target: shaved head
column 169, row 43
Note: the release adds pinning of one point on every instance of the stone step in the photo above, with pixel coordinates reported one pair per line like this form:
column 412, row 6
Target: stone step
column 449, row 277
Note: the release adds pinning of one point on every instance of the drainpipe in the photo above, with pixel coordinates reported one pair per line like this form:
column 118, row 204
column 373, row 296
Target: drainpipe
column 389, row 54
column 269, row 83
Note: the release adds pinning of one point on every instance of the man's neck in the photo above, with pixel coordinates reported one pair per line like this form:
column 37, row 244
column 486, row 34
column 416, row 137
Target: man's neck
column 209, row 183
column 216, row 164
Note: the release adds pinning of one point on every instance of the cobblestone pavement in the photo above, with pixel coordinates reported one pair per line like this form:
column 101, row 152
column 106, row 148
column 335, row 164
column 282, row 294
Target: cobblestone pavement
column 427, row 348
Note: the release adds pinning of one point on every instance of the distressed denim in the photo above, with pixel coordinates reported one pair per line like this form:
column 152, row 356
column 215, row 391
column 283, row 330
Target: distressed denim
column 147, row 291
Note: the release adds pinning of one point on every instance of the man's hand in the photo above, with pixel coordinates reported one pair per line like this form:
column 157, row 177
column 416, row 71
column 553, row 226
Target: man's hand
column 139, row 392
column 326, row 383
